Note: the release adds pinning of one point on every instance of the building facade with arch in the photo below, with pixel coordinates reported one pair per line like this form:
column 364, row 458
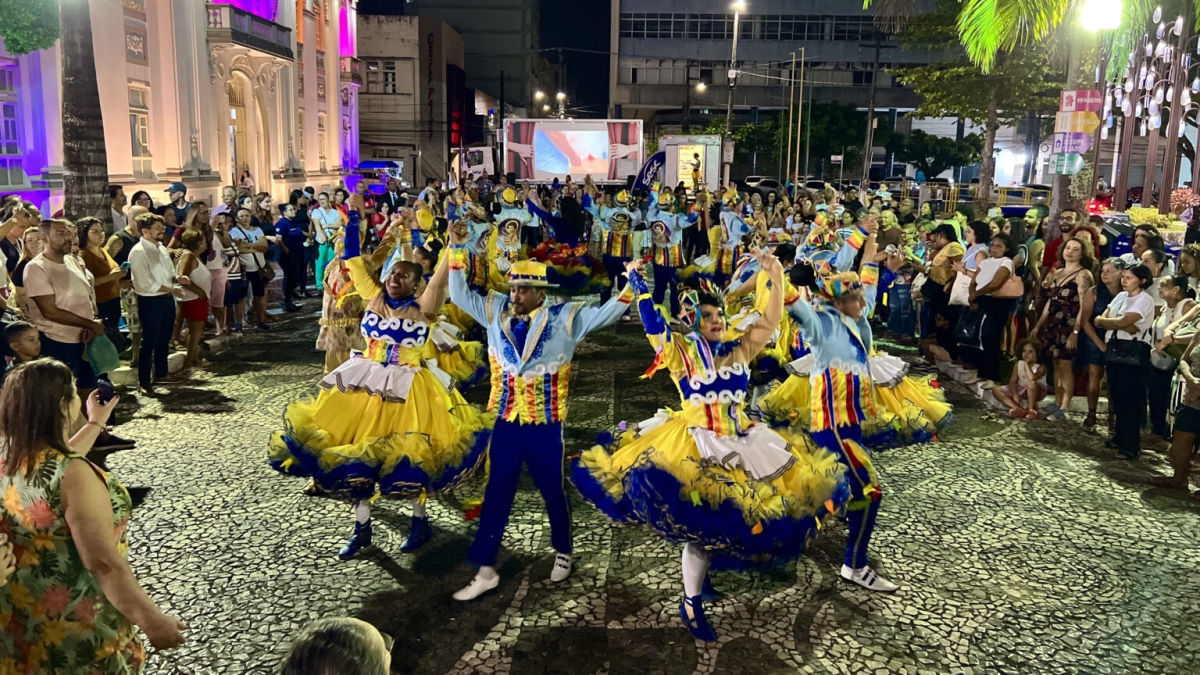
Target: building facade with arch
column 198, row 92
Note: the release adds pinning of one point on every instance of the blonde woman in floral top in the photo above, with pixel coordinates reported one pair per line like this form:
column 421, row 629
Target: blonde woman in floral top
column 72, row 603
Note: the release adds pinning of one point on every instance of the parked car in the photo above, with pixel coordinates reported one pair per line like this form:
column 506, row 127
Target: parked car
column 763, row 185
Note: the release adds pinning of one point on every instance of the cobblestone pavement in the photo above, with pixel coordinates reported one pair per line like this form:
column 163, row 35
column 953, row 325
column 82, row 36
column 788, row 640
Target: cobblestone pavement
column 1022, row 548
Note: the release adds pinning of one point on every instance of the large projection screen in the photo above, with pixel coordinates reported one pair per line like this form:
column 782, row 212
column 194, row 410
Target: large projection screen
column 542, row 150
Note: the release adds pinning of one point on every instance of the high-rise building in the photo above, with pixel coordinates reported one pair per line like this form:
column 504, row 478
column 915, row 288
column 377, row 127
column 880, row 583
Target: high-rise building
column 666, row 47
column 500, row 36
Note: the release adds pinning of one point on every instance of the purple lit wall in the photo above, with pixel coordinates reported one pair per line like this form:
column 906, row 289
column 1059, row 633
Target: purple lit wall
column 264, row 9
column 347, row 31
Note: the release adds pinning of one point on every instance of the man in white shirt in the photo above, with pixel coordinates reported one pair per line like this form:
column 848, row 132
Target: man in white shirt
column 153, row 276
column 112, row 214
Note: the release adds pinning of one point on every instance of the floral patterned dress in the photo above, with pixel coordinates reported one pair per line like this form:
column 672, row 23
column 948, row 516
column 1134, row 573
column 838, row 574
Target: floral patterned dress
column 53, row 616
column 1060, row 321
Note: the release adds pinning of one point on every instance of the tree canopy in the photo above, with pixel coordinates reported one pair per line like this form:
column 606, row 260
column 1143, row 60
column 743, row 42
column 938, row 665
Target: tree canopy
column 931, row 155
column 28, row 25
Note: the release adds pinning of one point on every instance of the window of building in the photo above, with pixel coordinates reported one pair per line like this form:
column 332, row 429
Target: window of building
column 12, row 173
column 321, row 138
column 381, row 77
column 300, row 133
column 750, row 27
column 863, row 77
column 299, row 69
column 320, row 88
column 319, row 6
column 139, row 132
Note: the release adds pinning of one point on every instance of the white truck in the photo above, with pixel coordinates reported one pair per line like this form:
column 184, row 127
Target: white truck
column 472, row 162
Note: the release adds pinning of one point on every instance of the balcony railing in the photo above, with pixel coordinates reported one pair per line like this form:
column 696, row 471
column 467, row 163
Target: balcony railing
column 230, row 24
column 351, row 70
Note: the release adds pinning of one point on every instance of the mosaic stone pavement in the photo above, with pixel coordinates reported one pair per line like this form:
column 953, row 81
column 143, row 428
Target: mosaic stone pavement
column 1021, row 548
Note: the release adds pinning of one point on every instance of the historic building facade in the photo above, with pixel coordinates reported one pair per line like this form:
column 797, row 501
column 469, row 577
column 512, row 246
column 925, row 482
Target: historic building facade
column 197, row 92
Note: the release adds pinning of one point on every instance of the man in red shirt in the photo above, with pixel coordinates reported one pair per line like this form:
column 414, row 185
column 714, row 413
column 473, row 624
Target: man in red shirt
column 1070, row 224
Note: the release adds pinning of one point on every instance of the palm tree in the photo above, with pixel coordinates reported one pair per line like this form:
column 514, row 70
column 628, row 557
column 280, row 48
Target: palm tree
column 30, row 25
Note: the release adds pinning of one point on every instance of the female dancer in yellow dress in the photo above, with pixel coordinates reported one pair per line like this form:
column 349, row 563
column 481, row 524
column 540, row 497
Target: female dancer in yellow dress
column 706, row 476
column 906, row 408
column 384, row 420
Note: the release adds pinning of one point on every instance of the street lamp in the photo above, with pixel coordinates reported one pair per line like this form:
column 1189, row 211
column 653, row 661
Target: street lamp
column 700, row 87
column 1099, row 15
column 539, row 95
column 737, row 7
column 545, row 107
column 560, row 96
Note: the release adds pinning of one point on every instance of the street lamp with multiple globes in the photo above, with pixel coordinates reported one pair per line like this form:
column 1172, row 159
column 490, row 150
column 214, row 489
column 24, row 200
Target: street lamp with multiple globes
column 737, row 7
column 1152, row 86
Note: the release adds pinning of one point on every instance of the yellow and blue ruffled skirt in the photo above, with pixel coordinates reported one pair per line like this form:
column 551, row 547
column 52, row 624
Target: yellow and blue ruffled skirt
column 396, row 429
column 660, row 476
column 908, row 409
column 465, row 361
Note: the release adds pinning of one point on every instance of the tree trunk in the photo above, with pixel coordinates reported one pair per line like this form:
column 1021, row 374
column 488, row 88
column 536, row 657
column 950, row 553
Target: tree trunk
column 987, row 165
column 85, row 158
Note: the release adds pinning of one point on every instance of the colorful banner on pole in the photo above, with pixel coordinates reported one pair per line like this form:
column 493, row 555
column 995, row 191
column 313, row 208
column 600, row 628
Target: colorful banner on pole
column 1073, row 128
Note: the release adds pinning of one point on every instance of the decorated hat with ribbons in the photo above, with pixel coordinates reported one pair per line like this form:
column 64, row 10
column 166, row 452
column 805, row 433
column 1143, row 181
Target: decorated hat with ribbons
column 622, row 198
column 529, row 273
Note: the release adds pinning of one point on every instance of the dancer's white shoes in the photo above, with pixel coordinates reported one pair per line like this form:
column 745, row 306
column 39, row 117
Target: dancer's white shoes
column 562, row 568
column 868, row 579
column 487, row 579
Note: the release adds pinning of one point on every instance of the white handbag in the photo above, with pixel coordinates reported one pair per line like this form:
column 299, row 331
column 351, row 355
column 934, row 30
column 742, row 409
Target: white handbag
column 960, row 292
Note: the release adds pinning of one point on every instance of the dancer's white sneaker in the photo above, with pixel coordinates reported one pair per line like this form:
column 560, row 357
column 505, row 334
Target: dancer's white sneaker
column 482, row 583
column 562, row 568
column 868, row 579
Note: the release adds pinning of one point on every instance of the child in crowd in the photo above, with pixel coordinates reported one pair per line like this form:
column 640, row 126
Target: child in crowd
column 1027, row 385
column 23, row 343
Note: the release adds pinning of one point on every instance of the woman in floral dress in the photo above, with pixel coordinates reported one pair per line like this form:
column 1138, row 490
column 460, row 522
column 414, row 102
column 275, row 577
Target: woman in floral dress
column 1069, row 300
column 72, row 603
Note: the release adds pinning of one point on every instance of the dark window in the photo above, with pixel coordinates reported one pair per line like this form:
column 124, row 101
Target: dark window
column 633, row 76
column 862, row 77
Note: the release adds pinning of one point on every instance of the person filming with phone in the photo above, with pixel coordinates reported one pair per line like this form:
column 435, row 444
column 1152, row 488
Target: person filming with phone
column 70, row 519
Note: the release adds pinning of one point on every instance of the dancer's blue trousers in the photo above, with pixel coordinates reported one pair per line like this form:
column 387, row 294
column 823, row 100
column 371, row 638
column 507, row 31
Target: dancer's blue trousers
column 540, row 447
column 861, row 512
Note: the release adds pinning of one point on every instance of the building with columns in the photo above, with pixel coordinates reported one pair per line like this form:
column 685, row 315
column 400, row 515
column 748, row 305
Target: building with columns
column 198, row 92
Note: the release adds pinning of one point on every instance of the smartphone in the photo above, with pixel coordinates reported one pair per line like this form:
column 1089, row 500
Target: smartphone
column 105, row 388
column 125, row 266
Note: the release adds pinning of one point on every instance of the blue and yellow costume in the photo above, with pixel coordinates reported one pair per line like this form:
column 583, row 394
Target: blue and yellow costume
column 904, row 409
column 841, row 396
column 384, row 420
column 706, row 474
column 666, row 239
column 616, row 224
column 530, row 358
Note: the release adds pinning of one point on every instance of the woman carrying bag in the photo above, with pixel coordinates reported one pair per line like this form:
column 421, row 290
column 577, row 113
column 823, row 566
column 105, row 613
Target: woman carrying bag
column 1129, row 320
column 994, row 287
column 1178, row 298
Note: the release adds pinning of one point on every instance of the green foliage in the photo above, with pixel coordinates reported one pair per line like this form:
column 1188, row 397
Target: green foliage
column 1016, row 83
column 751, row 138
column 836, row 129
column 28, row 25
column 932, row 155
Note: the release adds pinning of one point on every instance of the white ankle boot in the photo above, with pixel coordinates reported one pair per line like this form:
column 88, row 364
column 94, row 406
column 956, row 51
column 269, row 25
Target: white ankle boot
column 562, row 568
column 868, row 579
column 483, row 582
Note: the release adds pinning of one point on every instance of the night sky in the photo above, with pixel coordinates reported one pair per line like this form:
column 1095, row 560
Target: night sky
column 579, row 25
column 582, row 25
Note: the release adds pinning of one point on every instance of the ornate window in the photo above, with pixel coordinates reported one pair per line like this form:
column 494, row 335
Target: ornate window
column 300, row 134
column 139, row 131
column 12, row 173
column 322, row 137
